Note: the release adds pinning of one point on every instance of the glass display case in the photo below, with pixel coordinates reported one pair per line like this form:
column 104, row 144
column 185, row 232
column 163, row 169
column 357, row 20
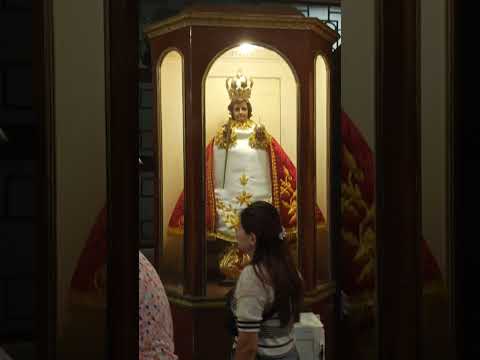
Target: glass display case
column 242, row 113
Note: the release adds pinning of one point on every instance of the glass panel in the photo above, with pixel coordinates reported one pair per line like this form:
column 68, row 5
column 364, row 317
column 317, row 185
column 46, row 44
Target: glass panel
column 322, row 169
column 80, row 183
column 171, row 179
column 336, row 15
column 254, row 167
column 357, row 241
column 436, row 218
column 330, row 15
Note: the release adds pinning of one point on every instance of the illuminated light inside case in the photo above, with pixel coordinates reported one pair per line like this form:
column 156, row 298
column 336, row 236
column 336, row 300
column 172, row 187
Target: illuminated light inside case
column 246, row 48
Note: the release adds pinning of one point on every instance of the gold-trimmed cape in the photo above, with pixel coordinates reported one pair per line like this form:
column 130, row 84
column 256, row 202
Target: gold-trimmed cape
column 284, row 195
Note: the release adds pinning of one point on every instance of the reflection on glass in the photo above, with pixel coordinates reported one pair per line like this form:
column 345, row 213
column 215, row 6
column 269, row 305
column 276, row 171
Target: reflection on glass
column 436, row 213
column 171, row 181
column 435, row 309
column 79, row 184
column 357, row 248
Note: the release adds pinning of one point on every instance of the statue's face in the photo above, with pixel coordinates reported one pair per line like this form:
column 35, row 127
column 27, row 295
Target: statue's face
column 240, row 111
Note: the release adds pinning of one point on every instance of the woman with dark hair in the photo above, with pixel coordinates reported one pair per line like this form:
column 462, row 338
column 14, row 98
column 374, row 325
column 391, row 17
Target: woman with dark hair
column 269, row 292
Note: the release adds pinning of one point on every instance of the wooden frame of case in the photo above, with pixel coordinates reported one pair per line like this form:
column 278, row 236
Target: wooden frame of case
column 293, row 37
column 188, row 34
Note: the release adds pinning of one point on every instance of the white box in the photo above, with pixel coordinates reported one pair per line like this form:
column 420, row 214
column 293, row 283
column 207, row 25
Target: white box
column 310, row 337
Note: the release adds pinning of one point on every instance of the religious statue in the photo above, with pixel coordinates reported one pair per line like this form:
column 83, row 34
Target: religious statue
column 244, row 163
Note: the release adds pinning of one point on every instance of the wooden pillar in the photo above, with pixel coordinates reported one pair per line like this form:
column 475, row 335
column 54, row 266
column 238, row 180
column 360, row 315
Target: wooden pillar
column 398, row 179
column 306, row 172
column 195, row 235
column 121, row 40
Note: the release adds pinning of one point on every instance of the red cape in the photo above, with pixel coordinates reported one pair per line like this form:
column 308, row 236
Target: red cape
column 284, row 193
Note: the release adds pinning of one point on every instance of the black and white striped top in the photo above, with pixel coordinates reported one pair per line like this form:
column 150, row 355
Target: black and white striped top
column 251, row 301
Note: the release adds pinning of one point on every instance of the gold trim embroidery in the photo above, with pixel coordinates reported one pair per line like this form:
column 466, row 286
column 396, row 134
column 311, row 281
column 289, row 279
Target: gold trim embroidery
column 287, row 190
column 244, row 198
column 210, row 189
column 290, row 22
column 233, row 261
column 223, row 237
column 239, row 124
column 244, row 180
column 275, row 194
column 351, row 202
column 225, row 137
column 228, row 213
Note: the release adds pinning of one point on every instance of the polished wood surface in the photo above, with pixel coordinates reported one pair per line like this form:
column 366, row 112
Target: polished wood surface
column 200, row 333
column 255, row 16
column 200, row 330
column 335, row 195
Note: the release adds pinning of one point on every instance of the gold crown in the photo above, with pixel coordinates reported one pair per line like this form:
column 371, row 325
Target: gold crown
column 239, row 87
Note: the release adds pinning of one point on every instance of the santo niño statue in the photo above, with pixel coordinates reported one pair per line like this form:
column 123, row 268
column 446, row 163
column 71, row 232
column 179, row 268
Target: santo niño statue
column 244, row 163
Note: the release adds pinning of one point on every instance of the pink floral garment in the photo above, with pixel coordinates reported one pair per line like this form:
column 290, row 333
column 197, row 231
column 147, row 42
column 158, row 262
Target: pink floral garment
column 155, row 320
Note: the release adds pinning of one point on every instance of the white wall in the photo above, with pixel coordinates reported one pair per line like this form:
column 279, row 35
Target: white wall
column 80, row 131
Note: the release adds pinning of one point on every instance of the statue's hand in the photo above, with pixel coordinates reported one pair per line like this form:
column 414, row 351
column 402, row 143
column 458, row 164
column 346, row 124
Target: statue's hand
column 260, row 132
column 260, row 138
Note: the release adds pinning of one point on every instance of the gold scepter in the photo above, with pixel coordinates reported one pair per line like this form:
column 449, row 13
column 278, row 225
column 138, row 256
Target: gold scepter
column 227, row 135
